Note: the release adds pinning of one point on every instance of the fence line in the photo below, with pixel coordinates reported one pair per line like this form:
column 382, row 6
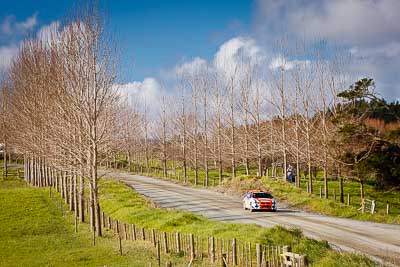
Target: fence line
column 220, row 251
column 232, row 252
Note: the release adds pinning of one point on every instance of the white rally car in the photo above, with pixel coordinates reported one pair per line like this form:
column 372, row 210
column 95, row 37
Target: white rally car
column 259, row 200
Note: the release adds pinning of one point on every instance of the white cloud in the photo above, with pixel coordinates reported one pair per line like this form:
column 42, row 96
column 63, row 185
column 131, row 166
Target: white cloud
column 388, row 50
column 27, row 24
column 351, row 21
column 148, row 90
column 281, row 62
column 7, row 53
column 235, row 53
column 10, row 25
column 229, row 60
column 381, row 63
column 368, row 29
column 196, row 66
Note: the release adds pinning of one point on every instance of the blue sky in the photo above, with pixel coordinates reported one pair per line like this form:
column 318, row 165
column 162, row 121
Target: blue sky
column 158, row 34
column 152, row 34
column 158, row 37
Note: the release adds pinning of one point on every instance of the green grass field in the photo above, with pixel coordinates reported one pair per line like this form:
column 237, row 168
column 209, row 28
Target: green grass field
column 36, row 230
column 120, row 201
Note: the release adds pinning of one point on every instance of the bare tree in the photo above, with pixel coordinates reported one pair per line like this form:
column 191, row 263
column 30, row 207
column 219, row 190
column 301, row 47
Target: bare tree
column 205, row 128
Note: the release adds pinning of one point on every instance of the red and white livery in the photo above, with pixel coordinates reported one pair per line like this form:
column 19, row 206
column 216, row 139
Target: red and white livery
column 259, row 200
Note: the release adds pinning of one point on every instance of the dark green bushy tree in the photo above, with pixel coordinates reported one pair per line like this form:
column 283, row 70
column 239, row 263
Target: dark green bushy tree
column 367, row 151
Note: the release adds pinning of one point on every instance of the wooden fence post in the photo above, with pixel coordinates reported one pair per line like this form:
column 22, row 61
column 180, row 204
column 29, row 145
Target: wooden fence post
column 234, row 252
column 320, row 191
column 250, row 256
column 373, row 206
column 200, row 247
column 125, row 232
column 158, row 253
column 348, row 199
column 94, row 235
column 363, row 205
column 178, row 242
column 165, row 242
column 120, row 245
column 258, row 253
column 212, row 249
column 387, row 208
column 133, row 232
column 117, row 227
column 153, row 237
column 334, row 194
column 192, row 252
column 263, row 256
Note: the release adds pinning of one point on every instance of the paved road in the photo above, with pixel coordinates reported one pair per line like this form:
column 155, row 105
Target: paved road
column 379, row 241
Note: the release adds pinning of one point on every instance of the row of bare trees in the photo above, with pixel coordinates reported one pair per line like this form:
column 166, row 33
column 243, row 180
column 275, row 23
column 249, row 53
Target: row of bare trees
column 60, row 108
column 64, row 113
column 246, row 116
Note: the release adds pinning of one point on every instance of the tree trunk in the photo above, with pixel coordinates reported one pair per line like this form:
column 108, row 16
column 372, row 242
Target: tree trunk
column 310, row 180
column 81, row 198
column 76, row 202
column 325, row 182
column 219, row 159
column 341, row 193
column 5, row 165
column 128, row 155
column 233, row 161
column 71, row 192
column 362, row 188
column 196, row 158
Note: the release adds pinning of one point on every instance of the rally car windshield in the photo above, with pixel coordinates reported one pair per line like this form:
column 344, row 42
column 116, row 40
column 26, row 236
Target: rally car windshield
column 262, row 195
